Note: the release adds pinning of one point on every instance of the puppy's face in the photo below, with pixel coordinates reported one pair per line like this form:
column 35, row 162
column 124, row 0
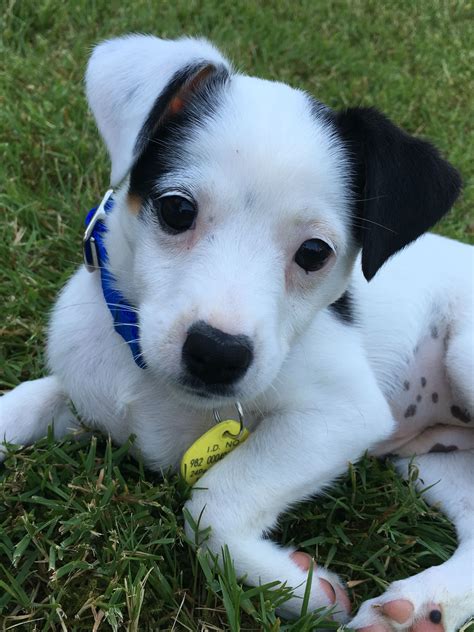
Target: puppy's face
column 239, row 212
column 242, row 237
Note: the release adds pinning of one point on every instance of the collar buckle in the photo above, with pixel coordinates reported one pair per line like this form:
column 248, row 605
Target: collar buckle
column 89, row 245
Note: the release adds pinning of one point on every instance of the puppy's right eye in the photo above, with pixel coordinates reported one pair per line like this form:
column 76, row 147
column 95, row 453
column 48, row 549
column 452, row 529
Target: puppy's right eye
column 176, row 213
column 313, row 254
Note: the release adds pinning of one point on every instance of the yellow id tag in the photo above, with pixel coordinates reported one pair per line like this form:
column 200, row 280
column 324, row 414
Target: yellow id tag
column 211, row 447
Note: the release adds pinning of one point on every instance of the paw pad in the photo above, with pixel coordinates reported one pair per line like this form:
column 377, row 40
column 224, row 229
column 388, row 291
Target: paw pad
column 398, row 615
column 303, row 560
column 399, row 610
column 333, row 591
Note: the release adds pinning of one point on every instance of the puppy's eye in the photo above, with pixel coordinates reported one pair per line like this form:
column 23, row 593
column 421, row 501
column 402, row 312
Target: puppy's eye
column 313, row 254
column 176, row 213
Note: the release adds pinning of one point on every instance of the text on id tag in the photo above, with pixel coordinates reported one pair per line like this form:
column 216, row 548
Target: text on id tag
column 211, row 447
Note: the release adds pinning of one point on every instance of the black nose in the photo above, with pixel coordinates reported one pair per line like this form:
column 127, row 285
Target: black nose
column 214, row 356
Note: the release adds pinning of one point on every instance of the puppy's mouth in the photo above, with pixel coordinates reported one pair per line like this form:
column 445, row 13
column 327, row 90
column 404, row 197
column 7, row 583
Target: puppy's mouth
column 202, row 390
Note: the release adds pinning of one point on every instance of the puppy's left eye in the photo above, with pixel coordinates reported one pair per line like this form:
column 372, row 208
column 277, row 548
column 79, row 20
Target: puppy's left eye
column 313, row 254
column 176, row 213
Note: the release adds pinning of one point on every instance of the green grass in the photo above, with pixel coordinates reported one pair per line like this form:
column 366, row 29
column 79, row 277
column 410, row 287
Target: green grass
column 86, row 535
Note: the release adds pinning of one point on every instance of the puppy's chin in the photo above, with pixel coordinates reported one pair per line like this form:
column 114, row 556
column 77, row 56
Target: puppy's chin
column 196, row 394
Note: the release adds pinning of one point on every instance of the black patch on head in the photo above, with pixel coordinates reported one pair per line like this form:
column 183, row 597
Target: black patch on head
column 418, row 398
column 343, row 308
column 423, row 382
column 406, row 385
column 434, row 398
column 401, row 185
column 439, row 447
column 459, row 413
column 434, row 332
column 165, row 130
column 410, row 411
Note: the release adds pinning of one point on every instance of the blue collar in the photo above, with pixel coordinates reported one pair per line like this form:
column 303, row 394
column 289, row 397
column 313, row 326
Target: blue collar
column 123, row 314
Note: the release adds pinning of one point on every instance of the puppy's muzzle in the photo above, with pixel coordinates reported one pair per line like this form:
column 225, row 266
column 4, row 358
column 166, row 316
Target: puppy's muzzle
column 213, row 357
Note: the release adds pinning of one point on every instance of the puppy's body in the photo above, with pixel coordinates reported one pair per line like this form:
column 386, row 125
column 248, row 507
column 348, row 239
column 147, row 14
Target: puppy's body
column 333, row 365
column 405, row 335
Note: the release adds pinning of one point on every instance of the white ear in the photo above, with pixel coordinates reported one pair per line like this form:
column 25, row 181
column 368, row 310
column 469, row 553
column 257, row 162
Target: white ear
column 123, row 80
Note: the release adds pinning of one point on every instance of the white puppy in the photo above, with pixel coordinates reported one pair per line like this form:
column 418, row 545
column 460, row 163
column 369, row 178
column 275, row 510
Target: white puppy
column 230, row 271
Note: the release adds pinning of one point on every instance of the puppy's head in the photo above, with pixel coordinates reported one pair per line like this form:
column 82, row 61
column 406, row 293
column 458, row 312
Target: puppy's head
column 244, row 206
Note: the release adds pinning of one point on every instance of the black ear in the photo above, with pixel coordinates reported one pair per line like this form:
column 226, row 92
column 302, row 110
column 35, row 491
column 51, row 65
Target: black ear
column 402, row 186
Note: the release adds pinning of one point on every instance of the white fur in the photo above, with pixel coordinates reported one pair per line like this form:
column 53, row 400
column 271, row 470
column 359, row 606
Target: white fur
column 319, row 392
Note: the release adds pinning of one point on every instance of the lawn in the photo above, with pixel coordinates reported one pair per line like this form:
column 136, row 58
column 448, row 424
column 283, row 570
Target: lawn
column 88, row 538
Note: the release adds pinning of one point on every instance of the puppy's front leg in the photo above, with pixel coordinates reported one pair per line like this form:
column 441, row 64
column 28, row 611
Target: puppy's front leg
column 288, row 458
column 28, row 410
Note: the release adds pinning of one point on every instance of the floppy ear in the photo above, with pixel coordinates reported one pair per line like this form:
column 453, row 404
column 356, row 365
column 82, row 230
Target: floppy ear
column 402, row 186
column 126, row 76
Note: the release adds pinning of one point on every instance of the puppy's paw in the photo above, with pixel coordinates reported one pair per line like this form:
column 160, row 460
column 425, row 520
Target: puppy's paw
column 433, row 601
column 214, row 524
column 400, row 614
column 327, row 589
column 28, row 410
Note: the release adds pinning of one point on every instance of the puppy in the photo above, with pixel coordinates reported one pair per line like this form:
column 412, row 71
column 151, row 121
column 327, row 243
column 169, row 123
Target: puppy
column 233, row 265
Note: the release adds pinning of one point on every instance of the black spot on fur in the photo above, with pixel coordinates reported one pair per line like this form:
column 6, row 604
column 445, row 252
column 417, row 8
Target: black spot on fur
column 343, row 308
column 406, row 385
column 459, row 413
column 434, row 332
column 435, row 616
column 446, row 341
column 423, row 382
column 401, row 184
column 164, row 131
column 439, row 447
column 434, row 398
column 418, row 398
column 410, row 411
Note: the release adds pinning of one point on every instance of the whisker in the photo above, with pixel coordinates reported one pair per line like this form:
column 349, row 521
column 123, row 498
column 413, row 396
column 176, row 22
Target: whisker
column 109, row 347
column 139, row 355
column 355, row 222
column 370, row 221
column 128, row 308
column 376, row 197
column 359, row 226
column 95, row 268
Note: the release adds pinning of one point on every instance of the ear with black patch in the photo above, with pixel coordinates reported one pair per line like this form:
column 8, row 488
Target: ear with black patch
column 402, row 186
column 124, row 81
column 171, row 102
column 187, row 102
